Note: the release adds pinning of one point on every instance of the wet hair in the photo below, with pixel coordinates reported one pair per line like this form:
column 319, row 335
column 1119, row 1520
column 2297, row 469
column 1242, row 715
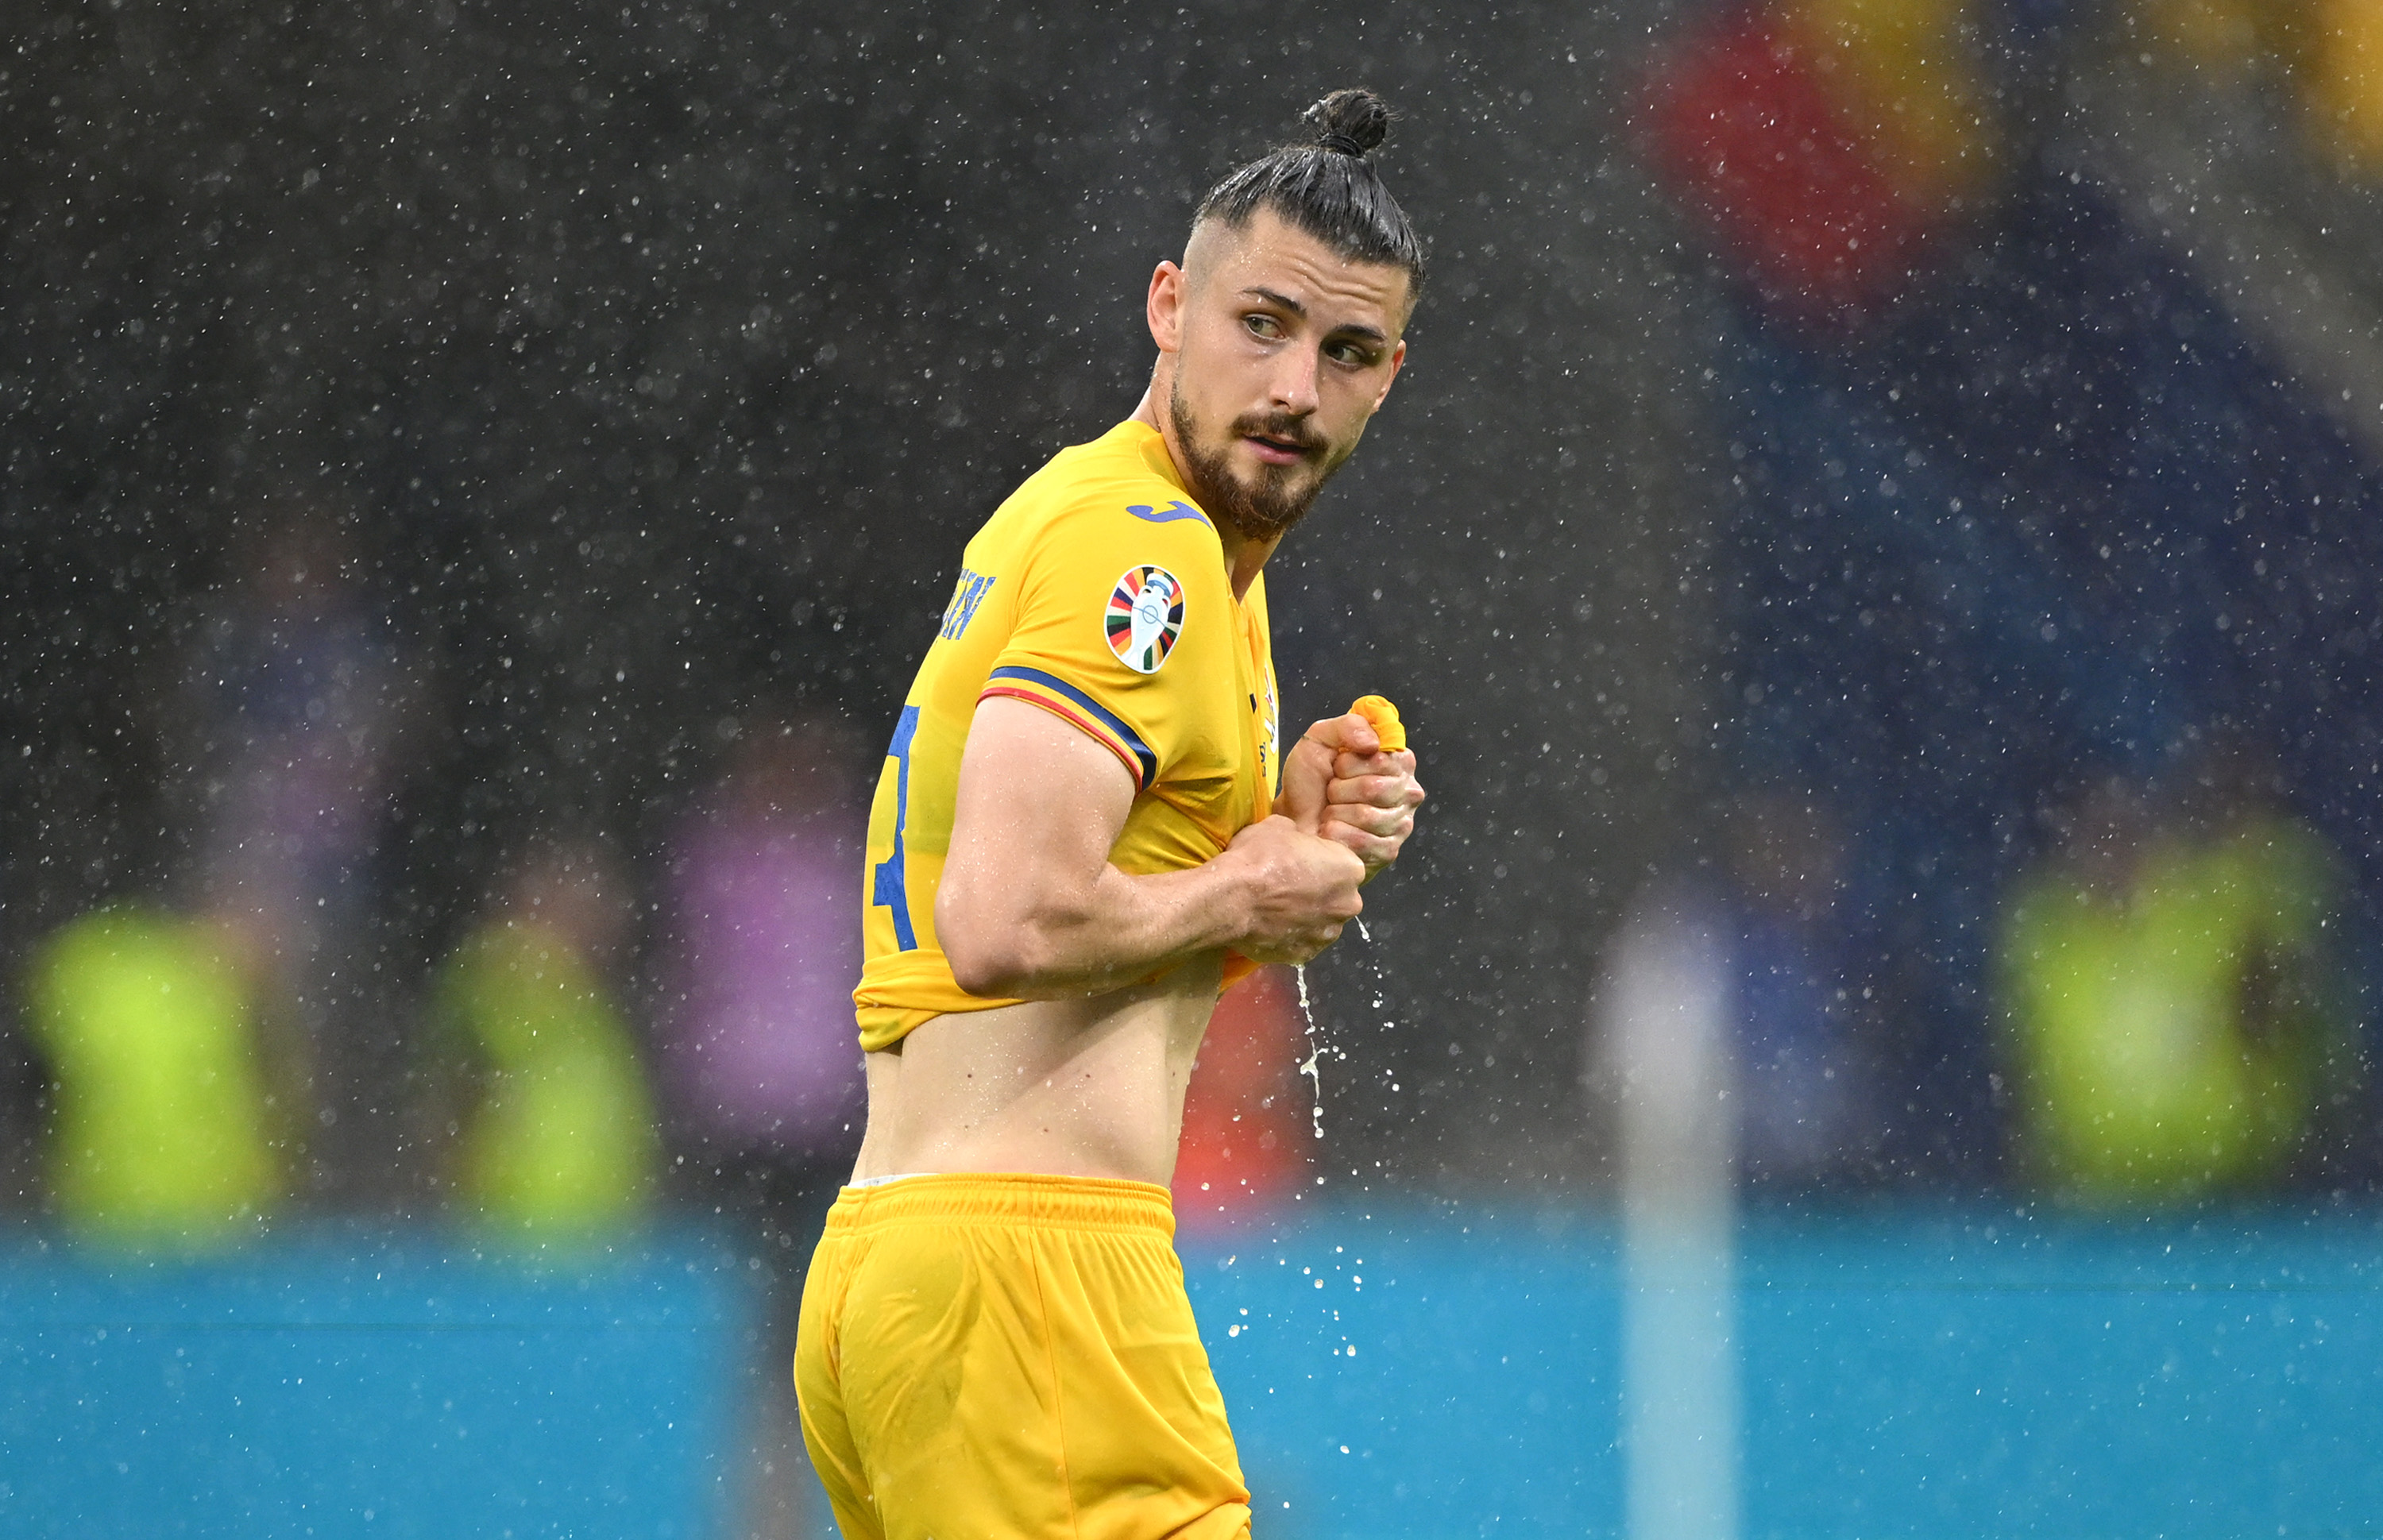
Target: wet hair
column 1328, row 188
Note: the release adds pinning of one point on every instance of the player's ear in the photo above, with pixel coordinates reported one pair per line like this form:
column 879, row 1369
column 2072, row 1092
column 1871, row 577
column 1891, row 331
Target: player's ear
column 1398, row 361
column 1165, row 307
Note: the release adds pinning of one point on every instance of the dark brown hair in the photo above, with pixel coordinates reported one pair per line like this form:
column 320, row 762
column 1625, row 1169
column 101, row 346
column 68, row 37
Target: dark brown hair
column 1327, row 187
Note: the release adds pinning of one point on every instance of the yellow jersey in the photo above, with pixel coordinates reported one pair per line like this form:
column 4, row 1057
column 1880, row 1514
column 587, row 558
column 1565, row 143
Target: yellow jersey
column 1098, row 592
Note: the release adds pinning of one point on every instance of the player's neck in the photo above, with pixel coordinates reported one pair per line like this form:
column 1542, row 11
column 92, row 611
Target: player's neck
column 1244, row 558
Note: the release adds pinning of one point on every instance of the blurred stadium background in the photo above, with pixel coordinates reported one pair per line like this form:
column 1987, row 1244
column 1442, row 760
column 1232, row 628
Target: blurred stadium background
column 1876, row 539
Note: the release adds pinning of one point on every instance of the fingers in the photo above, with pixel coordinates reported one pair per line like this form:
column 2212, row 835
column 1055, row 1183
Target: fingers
column 1306, row 775
column 1373, row 791
column 1304, row 948
column 1334, row 853
column 1348, row 766
column 1315, row 942
column 1376, row 849
column 1371, row 817
column 1341, row 785
column 1304, row 890
column 1382, row 823
column 1297, row 866
column 1345, row 735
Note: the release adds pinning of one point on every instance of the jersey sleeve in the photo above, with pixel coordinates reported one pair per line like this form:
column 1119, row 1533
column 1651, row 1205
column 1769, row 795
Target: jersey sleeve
column 1122, row 621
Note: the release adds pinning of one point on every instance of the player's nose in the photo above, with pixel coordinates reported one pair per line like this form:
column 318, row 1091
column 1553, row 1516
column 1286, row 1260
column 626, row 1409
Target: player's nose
column 1293, row 385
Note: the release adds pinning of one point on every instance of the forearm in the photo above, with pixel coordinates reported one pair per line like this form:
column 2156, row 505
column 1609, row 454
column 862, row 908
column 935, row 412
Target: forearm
column 1029, row 907
column 1122, row 930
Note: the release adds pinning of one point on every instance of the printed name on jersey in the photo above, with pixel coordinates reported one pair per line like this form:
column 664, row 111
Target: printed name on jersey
column 1270, row 747
column 966, row 596
column 1144, row 618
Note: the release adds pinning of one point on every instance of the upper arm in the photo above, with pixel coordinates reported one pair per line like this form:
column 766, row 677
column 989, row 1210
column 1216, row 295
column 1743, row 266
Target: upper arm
column 1088, row 701
column 1039, row 805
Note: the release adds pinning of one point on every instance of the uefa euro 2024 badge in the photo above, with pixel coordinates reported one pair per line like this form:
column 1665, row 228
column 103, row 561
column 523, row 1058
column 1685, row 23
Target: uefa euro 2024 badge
column 1145, row 616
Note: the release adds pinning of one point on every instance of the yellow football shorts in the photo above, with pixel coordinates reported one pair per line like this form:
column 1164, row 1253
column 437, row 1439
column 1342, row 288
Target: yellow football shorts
column 989, row 1357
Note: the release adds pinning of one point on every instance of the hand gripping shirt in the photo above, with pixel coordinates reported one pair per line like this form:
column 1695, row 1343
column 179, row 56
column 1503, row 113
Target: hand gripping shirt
column 1097, row 592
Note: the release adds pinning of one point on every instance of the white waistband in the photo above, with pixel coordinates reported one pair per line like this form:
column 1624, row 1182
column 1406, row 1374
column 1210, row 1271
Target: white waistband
column 881, row 1181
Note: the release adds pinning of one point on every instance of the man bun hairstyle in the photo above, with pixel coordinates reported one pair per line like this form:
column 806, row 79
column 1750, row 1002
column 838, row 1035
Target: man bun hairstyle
column 1327, row 187
column 1349, row 122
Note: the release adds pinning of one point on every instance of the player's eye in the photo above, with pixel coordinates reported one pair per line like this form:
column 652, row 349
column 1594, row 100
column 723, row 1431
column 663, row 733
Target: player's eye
column 1262, row 324
column 1355, row 355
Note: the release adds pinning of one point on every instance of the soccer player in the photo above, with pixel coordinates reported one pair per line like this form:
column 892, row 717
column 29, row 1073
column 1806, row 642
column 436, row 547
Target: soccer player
column 1085, row 830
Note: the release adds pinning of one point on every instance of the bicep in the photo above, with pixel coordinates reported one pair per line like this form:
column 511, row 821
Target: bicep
column 1038, row 807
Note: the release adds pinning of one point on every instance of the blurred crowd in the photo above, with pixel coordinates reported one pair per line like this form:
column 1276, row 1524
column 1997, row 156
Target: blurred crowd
column 223, row 1049
column 2173, row 1009
column 2053, row 854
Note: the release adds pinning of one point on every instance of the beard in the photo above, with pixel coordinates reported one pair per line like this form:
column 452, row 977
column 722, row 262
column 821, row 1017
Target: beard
column 1280, row 496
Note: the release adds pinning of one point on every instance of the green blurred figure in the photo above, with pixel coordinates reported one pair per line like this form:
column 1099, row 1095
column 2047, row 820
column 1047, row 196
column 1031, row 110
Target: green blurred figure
column 559, row 1140
column 2174, row 1012
column 162, row 1130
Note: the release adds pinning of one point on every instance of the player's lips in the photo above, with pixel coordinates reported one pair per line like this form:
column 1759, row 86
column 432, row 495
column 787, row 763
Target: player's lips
column 1276, row 452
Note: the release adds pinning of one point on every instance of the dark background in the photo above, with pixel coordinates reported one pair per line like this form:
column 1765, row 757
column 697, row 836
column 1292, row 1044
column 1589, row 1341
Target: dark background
column 664, row 358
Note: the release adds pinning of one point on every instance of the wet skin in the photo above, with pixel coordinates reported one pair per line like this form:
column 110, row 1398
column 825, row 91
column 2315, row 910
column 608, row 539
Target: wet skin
column 1273, row 354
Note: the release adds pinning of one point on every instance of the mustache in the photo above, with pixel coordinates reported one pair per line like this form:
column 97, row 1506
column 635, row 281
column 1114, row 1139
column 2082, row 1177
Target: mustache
column 1281, row 428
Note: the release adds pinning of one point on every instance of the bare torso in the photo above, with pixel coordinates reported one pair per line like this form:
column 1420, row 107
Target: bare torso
column 1085, row 1087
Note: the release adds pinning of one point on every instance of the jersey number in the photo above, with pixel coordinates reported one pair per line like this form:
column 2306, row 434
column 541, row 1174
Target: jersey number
column 891, row 887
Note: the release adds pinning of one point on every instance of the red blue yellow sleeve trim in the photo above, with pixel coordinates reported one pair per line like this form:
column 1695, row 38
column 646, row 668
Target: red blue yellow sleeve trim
column 1105, row 725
